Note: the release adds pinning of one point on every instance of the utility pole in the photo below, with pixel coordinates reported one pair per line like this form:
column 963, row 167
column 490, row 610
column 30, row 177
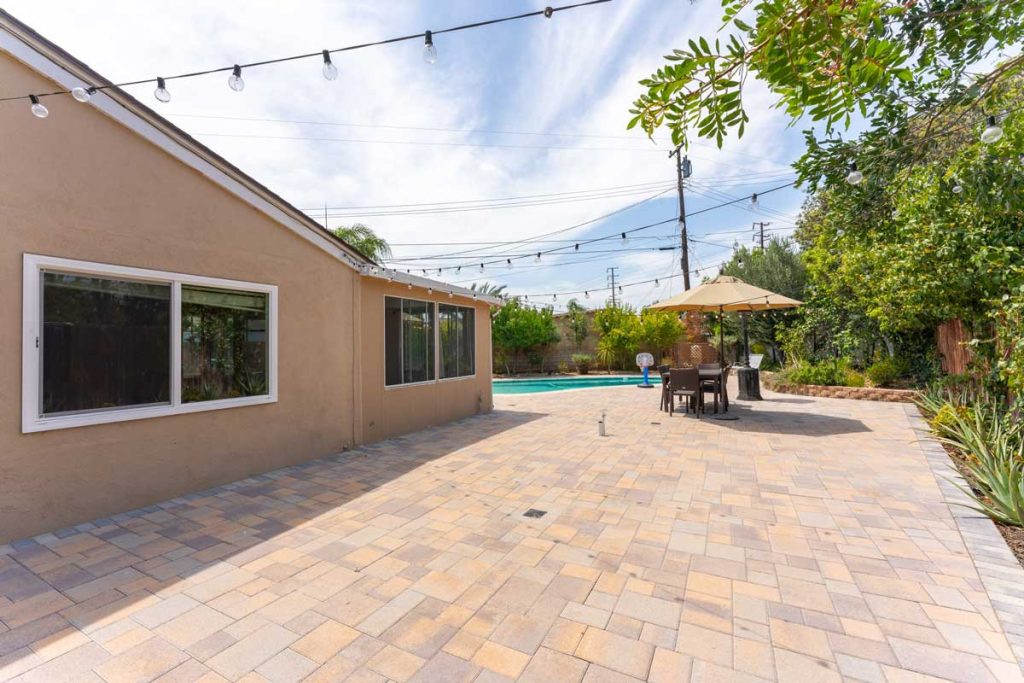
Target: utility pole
column 683, row 170
column 761, row 224
column 611, row 283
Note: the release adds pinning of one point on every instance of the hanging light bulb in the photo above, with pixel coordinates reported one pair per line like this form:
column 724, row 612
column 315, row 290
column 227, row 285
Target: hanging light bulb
column 235, row 81
column 509, row 262
column 450, row 295
column 548, row 11
column 329, row 70
column 586, row 295
column 957, row 187
column 409, row 286
column 429, row 51
column 474, row 297
column 554, row 297
column 481, row 267
column 753, row 199
column 438, row 271
column 577, row 246
column 536, row 259
column 391, row 276
column 458, row 270
column 161, row 93
column 625, row 240
column 430, row 290
column 83, row 94
column 39, row 110
column 656, row 283
column 993, row 132
column 854, row 177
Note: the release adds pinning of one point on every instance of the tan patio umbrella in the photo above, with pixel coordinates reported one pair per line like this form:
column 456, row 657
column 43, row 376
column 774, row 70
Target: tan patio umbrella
column 726, row 293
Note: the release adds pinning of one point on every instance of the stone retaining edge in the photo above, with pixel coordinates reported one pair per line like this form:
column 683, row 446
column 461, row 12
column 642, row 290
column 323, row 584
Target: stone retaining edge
column 771, row 383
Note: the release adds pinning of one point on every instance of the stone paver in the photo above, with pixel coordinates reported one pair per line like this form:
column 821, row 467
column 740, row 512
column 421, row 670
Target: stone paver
column 812, row 539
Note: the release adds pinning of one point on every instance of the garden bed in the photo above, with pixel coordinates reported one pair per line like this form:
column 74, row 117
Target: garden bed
column 772, row 383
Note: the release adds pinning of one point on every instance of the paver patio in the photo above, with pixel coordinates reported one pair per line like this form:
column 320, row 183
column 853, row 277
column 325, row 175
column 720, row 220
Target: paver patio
column 810, row 540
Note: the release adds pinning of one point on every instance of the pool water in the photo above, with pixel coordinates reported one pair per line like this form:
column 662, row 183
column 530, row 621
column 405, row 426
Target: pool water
column 536, row 385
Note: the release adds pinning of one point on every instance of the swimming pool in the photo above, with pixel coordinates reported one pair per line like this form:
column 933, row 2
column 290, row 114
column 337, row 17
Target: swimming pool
column 536, row 385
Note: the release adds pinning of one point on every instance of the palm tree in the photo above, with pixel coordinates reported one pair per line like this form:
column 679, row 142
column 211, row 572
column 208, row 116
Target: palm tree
column 487, row 289
column 364, row 240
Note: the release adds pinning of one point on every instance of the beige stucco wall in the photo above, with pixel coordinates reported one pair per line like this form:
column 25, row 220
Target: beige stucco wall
column 78, row 185
column 391, row 411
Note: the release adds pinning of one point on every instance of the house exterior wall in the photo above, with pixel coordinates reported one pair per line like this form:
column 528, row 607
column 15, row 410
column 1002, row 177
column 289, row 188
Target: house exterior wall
column 78, row 185
column 396, row 410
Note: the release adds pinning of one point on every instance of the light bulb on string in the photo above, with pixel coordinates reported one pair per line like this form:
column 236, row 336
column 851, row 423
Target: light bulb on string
column 656, row 283
column 536, row 259
column 430, row 290
column 993, row 131
column 625, row 240
column 235, row 81
column 161, row 93
column 548, row 11
column 577, row 248
column 458, row 270
column 429, row 51
column 83, row 94
column 39, row 109
column 753, row 199
column 450, row 295
column 509, row 262
column 620, row 289
column 854, row 177
column 438, row 271
column 481, row 267
column 957, row 187
column 554, row 297
column 329, row 70
column 586, row 295
column 409, row 286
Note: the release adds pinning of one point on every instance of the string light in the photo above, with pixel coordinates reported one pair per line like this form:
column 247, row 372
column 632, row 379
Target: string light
column 586, row 295
column 993, row 131
column 161, row 93
column 509, row 262
column 753, row 199
column 430, row 290
column 536, row 259
column 429, row 51
column 409, row 286
column 481, row 267
column 39, row 109
column 329, row 70
column 656, row 283
column 235, row 81
column 450, row 295
column 577, row 248
column 625, row 240
column 854, row 177
column 438, row 271
column 83, row 94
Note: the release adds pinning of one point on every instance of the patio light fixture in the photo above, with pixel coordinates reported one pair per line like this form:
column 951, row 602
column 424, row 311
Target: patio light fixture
column 429, row 51
column 39, row 109
column 993, row 131
column 854, row 177
column 161, row 93
column 235, row 81
column 537, row 258
column 83, row 94
column 329, row 70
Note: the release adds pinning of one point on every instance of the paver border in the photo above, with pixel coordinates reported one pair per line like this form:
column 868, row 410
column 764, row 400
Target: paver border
column 1000, row 573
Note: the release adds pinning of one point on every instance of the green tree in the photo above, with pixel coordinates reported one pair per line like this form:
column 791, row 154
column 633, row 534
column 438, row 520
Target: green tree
column 579, row 322
column 882, row 59
column 364, row 240
column 616, row 325
column 518, row 329
column 778, row 268
column 657, row 332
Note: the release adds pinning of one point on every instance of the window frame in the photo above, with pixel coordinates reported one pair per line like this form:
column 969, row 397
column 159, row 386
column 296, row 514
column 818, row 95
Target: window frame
column 32, row 419
column 436, row 379
column 440, row 356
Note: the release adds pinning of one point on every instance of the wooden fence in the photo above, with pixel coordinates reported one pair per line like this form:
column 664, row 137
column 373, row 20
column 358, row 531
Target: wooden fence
column 951, row 339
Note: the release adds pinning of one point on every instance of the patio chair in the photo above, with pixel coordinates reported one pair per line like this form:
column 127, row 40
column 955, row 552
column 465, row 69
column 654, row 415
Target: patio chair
column 662, row 370
column 685, row 383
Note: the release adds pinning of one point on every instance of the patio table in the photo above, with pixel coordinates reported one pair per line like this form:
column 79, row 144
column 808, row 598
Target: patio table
column 708, row 375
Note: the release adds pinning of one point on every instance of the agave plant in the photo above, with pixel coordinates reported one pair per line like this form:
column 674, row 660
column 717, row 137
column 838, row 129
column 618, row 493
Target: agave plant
column 995, row 462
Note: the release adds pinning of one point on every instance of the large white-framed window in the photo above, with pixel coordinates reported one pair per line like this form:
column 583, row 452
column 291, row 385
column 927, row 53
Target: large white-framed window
column 107, row 343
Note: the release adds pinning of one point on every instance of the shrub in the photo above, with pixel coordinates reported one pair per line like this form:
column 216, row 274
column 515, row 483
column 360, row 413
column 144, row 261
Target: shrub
column 944, row 420
column 886, row 371
column 855, row 379
column 829, row 373
column 582, row 361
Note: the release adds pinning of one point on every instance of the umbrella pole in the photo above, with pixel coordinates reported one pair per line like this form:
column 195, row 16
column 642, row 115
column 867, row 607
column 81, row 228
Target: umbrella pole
column 721, row 337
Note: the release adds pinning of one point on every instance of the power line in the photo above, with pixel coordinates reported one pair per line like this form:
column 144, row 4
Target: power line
column 236, row 69
column 488, row 260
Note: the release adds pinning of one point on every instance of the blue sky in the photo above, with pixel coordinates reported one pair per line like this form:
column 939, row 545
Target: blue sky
column 563, row 86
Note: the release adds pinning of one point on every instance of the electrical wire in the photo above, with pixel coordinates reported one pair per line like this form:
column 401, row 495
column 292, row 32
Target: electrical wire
column 546, row 12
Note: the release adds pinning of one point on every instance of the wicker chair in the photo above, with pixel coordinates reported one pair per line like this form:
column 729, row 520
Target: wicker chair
column 685, row 383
